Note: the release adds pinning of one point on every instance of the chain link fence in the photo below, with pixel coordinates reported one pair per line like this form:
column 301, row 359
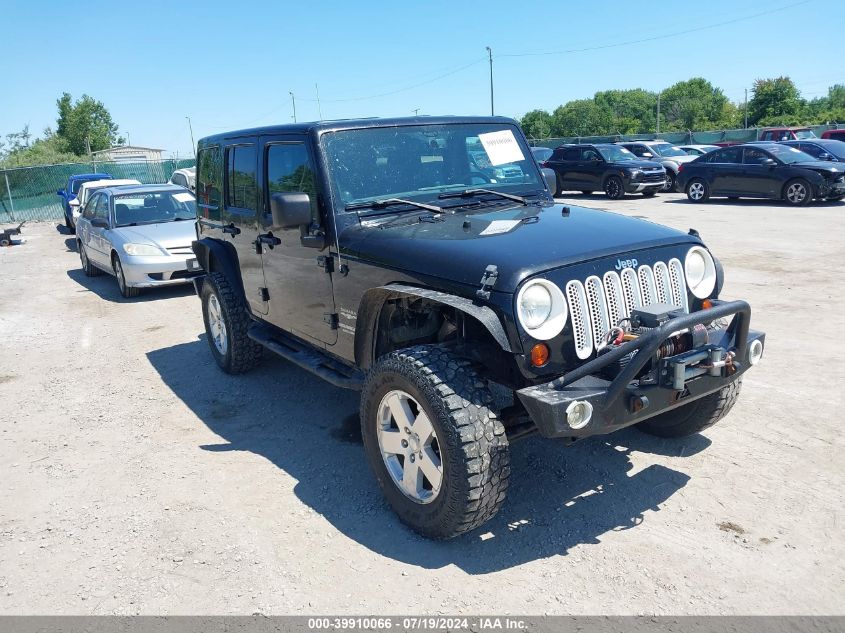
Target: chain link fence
column 29, row 193
column 676, row 138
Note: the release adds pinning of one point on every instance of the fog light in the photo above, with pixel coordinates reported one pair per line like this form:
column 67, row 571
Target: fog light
column 578, row 414
column 755, row 351
column 539, row 354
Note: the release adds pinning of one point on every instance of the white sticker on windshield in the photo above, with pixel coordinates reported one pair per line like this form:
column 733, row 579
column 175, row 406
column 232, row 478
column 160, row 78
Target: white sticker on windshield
column 501, row 147
column 500, row 226
column 183, row 197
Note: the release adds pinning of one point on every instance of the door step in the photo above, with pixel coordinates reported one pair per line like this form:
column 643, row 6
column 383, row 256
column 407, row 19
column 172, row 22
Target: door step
column 307, row 357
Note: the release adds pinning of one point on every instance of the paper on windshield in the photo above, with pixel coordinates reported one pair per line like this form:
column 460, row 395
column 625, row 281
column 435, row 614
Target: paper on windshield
column 501, row 147
column 183, row 197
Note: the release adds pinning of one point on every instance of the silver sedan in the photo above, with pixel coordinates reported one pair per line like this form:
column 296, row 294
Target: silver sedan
column 140, row 234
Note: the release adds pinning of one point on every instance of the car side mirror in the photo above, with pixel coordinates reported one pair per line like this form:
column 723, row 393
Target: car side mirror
column 825, row 156
column 61, row 192
column 648, row 155
column 551, row 178
column 100, row 223
column 769, row 162
column 290, row 210
column 74, row 202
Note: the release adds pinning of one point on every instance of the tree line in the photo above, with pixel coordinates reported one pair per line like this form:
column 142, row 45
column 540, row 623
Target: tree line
column 694, row 104
column 81, row 126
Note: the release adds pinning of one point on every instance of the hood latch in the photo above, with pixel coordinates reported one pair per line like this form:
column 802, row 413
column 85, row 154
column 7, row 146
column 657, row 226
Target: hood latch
column 488, row 280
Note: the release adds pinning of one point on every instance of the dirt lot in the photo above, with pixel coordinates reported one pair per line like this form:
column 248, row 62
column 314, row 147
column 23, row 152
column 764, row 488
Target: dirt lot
column 137, row 478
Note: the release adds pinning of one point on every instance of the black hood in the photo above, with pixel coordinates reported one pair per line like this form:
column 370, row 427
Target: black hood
column 822, row 166
column 520, row 240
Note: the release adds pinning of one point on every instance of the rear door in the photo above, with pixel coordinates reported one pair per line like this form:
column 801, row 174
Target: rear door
column 240, row 220
column 300, row 288
column 725, row 167
column 591, row 169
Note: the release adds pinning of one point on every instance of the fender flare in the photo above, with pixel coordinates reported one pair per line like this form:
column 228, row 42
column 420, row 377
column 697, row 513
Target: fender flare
column 374, row 299
column 223, row 256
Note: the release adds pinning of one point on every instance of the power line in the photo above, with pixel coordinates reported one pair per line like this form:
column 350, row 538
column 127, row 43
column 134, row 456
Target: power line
column 657, row 37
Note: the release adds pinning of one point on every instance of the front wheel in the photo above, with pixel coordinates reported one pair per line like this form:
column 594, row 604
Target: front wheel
column 798, row 193
column 125, row 289
column 613, row 188
column 670, row 182
column 694, row 417
column 698, row 190
column 433, row 441
column 226, row 325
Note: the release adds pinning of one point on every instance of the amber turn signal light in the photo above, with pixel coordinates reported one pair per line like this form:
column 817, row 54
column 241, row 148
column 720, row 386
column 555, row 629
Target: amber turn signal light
column 707, row 304
column 539, row 354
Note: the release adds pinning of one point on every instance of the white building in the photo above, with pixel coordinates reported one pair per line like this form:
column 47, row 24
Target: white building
column 128, row 154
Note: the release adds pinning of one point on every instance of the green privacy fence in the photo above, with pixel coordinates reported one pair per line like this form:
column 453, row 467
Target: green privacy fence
column 676, row 138
column 29, row 193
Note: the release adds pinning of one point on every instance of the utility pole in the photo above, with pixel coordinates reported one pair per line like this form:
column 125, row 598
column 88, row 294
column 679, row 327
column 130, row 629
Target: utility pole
column 490, row 57
column 191, row 128
column 319, row 109
column 416, row 111
column 746, row 108
column 90, row 156
column 658, row 113
column 293, row 101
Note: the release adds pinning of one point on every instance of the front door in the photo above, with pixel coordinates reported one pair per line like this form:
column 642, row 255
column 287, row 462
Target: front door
column 240, row 217
column 300, row 289
column 98, row 248
column 758, row 179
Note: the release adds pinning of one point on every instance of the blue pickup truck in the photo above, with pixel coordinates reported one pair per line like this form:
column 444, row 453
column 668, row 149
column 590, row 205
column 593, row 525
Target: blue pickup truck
column 69, row 193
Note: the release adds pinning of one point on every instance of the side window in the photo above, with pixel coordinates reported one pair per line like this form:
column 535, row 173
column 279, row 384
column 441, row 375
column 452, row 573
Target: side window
column 241, row 187
column 728, row 155
column 754, row 156
column 289, row 170
column 811, row 149
column 209, row 181
column 572, row 154
column 88, row 211
column 589, row 154
column 179, row 179
column 637, row 150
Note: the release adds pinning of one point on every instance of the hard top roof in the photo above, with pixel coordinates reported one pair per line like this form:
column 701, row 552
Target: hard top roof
column 351, row 124
column 145, row 189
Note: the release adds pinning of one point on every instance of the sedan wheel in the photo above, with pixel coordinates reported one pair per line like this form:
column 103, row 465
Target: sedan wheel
column 126, row 290
column 797, row 193
column 697, row 191
column 670, row 182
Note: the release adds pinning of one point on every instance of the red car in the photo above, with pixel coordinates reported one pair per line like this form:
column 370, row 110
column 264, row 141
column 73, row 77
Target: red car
column 837, row 135
column 786, row 134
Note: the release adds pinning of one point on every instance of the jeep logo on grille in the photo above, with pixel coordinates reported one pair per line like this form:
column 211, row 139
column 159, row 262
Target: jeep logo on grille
column 621, row 264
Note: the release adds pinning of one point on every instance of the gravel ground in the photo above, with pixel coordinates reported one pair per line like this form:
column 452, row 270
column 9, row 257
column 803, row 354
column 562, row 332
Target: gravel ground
column 137, row 478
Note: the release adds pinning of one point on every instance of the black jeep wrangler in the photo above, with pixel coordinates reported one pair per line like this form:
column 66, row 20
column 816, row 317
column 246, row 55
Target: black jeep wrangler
column 468, row 308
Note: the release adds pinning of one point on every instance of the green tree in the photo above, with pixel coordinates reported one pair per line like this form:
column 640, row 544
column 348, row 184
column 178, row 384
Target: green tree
column 632, row 111
column 695, row 104
column 85, row 119
column 537, row 124
column 582, row 117
column 775, row 102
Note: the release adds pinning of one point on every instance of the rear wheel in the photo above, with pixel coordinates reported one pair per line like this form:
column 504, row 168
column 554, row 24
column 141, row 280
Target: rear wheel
column 125, row 289
column 698, row 190
column 695, row 416
column 670, row 182
column 435, row 445
column 87, row 267
column 797, row 193
column 613, row 188
column 226, row 325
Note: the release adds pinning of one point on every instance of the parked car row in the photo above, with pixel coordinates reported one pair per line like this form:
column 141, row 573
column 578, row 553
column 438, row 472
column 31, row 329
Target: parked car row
column 140, row 234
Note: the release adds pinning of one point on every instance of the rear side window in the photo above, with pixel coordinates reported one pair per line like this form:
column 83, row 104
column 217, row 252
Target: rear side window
column 179, row 179
column 572, row 154
column 209, row 179
column 241, row 187
column 729, row 155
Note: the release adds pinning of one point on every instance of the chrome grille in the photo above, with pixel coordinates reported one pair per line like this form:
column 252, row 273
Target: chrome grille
column 599, row 304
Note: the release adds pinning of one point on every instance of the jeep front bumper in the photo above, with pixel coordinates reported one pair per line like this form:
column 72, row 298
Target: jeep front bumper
column 609, row 405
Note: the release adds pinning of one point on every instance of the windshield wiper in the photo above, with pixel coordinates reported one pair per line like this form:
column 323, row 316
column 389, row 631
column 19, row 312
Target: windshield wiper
column 386, row 202
column 469, row 193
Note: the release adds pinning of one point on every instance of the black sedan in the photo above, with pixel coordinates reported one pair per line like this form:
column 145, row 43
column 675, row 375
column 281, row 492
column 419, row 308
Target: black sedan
column 821, row 148
column 762, row 170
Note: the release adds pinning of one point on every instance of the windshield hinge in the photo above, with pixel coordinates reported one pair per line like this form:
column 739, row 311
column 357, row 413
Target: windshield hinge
column 326, row 262
column 488, row 280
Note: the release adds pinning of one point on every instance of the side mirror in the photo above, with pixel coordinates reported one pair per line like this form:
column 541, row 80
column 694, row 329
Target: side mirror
column 648, row 155
column 769, row 162
column 825, row 156
column 61, row 192
column 100, row 223
column 551, row 179
column 74, row 202
column 290, row 210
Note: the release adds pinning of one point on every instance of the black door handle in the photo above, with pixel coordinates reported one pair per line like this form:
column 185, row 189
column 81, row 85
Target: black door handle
column 231, row 229
column 269, row 239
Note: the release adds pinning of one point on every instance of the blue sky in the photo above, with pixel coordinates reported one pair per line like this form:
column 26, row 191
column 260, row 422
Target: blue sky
column 231, row 65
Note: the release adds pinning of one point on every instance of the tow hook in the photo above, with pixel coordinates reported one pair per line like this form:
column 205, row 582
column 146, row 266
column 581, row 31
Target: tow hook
column 716, row 364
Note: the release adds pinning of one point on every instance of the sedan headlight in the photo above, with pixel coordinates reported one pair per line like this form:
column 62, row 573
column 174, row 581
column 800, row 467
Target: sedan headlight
column 541, row 309
column 142, row 249
column 700, row 270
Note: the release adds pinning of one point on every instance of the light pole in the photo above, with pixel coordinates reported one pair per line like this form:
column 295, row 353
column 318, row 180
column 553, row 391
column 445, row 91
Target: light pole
column 416, row 111
column 191, row 128
column 490, row 58
column 746, row 108
column 658, row 113
column 293, row 101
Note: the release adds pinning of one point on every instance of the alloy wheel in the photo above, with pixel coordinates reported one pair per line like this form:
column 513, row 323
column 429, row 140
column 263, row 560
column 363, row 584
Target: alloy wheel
column 409, row 447
column 796, row 193
column 696, row 191
column 217, row 326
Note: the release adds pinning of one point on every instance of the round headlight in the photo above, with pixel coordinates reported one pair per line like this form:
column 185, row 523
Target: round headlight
column 700, row 270
column 541, row 309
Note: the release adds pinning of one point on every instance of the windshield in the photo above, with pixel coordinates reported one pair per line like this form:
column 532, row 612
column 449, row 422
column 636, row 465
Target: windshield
column 666, row 149
column 802, row 134
column 153, row 208
column 615, row 154
column 788, row 154
column 423, row 161
column 542, row 153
